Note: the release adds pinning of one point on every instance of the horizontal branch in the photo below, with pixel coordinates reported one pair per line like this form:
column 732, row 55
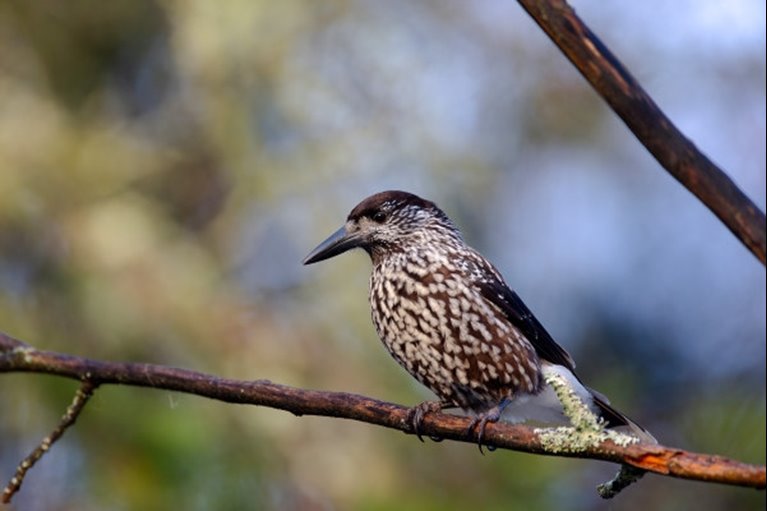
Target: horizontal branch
column 675, row 152
column 16, row 356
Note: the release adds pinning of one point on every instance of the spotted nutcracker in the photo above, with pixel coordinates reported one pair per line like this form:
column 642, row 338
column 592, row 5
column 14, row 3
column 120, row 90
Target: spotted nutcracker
column 446, row 315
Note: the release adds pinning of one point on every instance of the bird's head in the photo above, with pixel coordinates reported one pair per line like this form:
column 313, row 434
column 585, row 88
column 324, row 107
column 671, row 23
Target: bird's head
column 384, row 223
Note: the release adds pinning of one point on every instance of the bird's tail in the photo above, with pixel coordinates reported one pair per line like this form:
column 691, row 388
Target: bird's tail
column 545, row 407
column 616, row 420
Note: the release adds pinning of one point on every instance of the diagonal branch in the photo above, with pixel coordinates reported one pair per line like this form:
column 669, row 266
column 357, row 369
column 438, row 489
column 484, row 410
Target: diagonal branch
column 675, row 152
column 81, row 398
column 16, row 356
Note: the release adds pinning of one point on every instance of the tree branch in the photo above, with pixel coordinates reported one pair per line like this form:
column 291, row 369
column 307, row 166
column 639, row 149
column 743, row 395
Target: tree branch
column 16, row 356
column 676, row 153
column 81, row 398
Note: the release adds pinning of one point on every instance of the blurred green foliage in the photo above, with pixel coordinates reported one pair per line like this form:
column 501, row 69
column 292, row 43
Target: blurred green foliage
column 165, row 165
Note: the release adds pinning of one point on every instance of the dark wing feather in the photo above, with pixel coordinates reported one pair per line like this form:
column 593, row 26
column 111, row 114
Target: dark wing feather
column 499, row 294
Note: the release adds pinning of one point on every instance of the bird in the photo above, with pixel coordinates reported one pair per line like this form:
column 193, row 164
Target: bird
column 447, row 316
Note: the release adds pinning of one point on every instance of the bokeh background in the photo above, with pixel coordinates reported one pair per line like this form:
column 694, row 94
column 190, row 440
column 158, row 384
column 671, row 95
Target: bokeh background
column 164, row 167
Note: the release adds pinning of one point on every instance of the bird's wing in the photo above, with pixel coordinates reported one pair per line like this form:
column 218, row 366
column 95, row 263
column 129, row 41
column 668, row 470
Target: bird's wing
column 498, row 293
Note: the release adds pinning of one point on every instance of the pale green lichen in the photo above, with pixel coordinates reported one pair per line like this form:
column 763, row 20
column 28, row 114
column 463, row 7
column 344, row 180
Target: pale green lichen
column 587, row 429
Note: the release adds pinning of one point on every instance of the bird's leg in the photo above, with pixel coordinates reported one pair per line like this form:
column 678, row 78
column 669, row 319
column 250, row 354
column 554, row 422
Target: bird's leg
column 491, row 415
column 417, row 413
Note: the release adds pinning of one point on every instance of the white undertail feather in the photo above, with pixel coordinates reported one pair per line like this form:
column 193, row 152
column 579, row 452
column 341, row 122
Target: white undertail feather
column 546, row 408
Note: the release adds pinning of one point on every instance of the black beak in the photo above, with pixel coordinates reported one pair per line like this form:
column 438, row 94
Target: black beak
column 337, row 243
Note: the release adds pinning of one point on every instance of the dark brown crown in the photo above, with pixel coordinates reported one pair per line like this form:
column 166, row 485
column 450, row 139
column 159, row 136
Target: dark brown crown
column 391, row 201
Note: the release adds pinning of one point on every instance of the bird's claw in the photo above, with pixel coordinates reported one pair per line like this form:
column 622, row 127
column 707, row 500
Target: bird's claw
column 418, row 412
column 480, row 422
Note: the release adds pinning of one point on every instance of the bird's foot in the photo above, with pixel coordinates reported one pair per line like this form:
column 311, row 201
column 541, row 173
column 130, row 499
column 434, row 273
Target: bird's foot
column 418, row 412
column 480, row 422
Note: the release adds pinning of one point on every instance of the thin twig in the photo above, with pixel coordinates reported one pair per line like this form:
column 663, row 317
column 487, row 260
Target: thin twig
column 675, row 152
column 16, row 356
column 626, row 476
column 81, row 398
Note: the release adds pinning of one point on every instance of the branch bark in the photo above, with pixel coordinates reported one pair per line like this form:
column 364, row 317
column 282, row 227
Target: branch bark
column 16, row 356
column 675, row 152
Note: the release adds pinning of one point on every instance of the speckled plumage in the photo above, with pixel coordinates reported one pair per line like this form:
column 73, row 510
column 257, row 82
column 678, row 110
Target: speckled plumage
column 430, row 314
column 446, row 314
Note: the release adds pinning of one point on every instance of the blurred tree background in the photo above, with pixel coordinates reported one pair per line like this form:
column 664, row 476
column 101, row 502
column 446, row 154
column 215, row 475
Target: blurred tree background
column 164, row 167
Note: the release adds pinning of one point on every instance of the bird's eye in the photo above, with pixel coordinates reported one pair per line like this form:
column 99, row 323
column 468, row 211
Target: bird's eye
column 379, row 216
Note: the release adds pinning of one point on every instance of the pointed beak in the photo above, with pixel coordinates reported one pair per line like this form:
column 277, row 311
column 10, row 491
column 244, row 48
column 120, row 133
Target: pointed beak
column 337, row 243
